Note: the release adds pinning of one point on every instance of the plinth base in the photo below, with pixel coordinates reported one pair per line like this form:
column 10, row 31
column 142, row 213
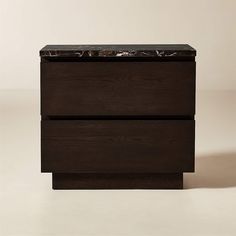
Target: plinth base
column 117, row 181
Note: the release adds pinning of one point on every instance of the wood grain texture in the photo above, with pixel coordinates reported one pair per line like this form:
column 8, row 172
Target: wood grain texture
column 117, row 181
column 117, row 88
column 129, row 146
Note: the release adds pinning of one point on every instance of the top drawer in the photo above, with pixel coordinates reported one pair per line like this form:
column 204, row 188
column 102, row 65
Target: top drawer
column 117, row 88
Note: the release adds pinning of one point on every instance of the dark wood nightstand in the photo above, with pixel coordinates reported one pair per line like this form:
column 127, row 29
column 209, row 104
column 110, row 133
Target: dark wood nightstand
column 117, row 116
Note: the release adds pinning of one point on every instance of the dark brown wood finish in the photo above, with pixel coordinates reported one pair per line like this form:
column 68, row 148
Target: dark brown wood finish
column 117, row 181
column 117, row 116
column 117, row 88
column 131, row 146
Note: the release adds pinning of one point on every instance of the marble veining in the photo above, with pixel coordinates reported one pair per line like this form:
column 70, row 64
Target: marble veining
column 146, row 50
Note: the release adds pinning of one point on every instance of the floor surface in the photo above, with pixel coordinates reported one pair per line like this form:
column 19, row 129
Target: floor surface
column 29, row 206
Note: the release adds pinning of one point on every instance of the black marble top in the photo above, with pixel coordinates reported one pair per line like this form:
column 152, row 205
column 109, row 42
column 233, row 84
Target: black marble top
column 132, row 50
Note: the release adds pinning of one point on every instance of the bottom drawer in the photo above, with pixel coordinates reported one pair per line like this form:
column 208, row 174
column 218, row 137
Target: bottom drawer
column 131, row 146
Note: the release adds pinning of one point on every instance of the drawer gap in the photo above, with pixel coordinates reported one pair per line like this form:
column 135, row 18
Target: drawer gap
column 187, row 117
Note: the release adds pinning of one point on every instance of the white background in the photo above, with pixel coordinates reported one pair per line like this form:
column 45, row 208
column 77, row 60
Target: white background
column 27, row 25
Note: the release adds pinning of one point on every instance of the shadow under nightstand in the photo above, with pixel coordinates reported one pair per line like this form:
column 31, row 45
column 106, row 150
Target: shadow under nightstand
column 213, row 171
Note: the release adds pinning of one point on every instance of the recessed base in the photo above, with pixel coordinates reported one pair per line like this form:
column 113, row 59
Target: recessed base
column 117, row 181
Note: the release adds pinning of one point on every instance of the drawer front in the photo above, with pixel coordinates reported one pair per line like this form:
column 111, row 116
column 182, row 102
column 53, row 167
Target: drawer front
column 117, row 88
column 117, row 146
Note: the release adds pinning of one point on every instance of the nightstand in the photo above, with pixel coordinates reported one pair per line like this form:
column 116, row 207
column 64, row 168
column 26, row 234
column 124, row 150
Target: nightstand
column 117, row 116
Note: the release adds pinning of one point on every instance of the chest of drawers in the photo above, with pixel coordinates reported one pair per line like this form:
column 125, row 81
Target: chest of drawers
column 117, row 116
